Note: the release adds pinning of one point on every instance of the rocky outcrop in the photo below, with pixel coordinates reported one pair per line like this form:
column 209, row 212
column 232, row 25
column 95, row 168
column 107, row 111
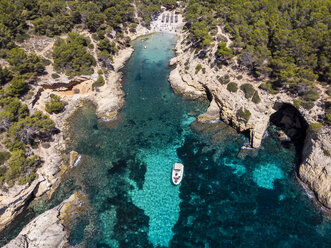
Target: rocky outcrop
column 191, row 82
column 13, row 201
column 48, row 229
column 315, row 170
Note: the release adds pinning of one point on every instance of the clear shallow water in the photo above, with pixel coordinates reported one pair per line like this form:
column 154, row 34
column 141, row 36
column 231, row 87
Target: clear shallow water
column 228, row 198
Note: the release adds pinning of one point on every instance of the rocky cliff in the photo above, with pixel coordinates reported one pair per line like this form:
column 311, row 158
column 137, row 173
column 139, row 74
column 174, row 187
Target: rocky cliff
column 315, row 170
column 194, row 76
column 186, row 80
column 48, row 229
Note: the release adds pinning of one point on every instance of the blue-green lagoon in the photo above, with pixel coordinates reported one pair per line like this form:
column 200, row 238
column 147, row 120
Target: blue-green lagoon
column 228, row 197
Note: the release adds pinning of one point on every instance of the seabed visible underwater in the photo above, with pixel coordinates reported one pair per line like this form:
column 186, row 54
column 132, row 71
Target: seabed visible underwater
column 228, row 197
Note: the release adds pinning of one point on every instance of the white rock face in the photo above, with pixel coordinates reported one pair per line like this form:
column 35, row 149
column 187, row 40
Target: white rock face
column 191, row 84
column 45, row 231
column 315, row 170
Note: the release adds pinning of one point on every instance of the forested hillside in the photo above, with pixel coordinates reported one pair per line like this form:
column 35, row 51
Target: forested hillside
column 287, row 42
column 19, row 70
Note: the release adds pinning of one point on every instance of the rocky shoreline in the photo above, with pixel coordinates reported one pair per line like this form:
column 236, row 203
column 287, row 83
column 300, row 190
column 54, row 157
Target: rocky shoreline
column 314, row 172
column 315, row 169
column 51, row 224
column 108, row 99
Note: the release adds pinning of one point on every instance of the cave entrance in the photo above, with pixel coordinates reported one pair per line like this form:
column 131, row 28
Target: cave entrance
column 292, row 123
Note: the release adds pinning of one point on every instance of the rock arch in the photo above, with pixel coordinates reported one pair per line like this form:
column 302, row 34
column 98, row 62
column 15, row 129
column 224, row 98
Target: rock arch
column 289, row 119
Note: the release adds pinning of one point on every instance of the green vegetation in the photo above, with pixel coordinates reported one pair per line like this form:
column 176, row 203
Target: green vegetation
column 248, row 90
column 100, row 82
column 328, row 112
column 256, row 98
column 315, row 127
column 106, row 51
column 326, row 153
column 224, row 80
column 55, row 75
column 71, row 56
column 4, row 156
column 21, row 168
column 223, row 52
column 54, row 105
column 5, row 76
column 26, row 65
column 198, row 68
column 288, row 41
column 232, row 87
column 22, row 131
column 17, row 87
column 328, row 92
column 244, row 114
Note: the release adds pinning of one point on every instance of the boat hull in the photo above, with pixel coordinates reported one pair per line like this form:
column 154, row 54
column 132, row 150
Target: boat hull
column 177, row 173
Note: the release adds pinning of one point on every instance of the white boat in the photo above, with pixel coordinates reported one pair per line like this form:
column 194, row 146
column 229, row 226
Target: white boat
column 145, row 47
column 177, row 173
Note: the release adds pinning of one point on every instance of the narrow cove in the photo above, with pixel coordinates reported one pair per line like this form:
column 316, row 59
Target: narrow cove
column 228, row 197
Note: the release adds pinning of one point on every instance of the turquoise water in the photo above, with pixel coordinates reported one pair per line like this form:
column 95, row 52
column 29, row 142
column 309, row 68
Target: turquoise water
column 228, row 197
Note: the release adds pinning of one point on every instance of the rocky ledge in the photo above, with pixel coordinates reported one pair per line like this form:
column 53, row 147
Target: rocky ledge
column 194, row 77
column 48, row 229
column 315, row 170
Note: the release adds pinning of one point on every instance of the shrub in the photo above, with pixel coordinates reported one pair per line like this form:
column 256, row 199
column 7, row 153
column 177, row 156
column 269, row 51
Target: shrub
column 328, row 112
column 5, row 75
column 299, row 102
column 311, row 95
column 224, row 80
column 256, row 98
column 326, row 152
column 55, row 75
column 315, row 127
column 248, row 90
column 46, row 62
column 232, row 87
column 21, row 168
column 17, row 87
column 198, row 68
column 71, row 57
column 329, row 91
column 25, row 64
column 239, row 77
column 307, row 104
column 55, row 105
column 244, row 114
column 4, row 156
column 223, row 52
column 100, row 82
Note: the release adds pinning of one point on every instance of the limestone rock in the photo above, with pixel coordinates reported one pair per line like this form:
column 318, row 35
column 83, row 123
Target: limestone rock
column 13, row 202
column 73, row 157
column 186, row 80
column 315, row 171
column 47, row 230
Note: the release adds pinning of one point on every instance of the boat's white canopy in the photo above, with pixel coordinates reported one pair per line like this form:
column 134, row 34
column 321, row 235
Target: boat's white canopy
column 178, row 166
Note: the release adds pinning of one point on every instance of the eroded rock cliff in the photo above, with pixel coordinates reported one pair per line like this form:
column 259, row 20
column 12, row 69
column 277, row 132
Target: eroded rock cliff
column 194, row 77
column 48, row 229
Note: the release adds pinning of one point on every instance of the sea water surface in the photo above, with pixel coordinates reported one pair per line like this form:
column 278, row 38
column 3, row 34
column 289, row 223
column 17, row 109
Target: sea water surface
column 228, row 197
